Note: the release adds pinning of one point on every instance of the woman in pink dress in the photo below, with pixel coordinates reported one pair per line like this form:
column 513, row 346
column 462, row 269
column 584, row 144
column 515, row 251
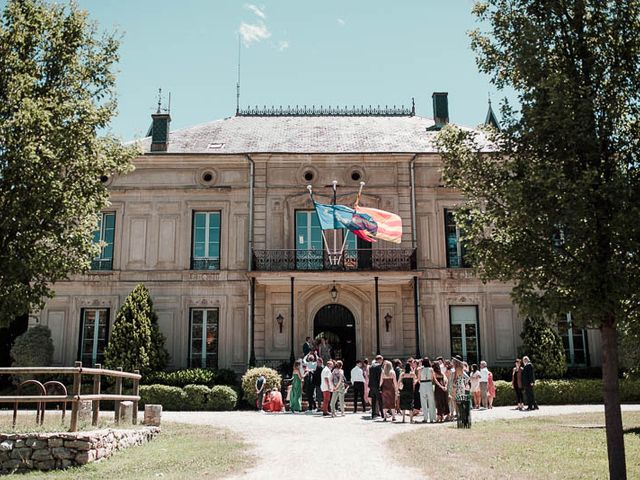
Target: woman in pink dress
column 274, row 402
column 491, row 390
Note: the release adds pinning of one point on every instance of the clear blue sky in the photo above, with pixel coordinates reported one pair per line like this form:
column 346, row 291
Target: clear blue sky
column 294, row 52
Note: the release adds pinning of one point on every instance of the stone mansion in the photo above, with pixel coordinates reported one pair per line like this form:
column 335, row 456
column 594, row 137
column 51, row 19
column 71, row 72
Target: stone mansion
column 217, row 222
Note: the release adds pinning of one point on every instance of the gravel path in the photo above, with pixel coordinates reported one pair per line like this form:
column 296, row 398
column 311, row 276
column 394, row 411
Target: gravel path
column 299, row 446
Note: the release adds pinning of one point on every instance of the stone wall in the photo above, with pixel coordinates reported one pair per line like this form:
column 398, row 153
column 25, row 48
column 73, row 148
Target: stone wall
column 46, row 451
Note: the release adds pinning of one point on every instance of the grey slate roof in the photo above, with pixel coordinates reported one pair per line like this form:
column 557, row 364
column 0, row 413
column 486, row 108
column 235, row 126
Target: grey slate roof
column 305, row 134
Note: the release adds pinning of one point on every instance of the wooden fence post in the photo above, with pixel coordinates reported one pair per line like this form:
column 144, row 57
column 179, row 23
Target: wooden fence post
column 136, row 391
column 75, row 405
column 96, row 391
column 116, row 404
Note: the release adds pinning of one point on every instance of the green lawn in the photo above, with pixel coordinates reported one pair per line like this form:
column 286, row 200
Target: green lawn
column 541, row 448
column 179, row 452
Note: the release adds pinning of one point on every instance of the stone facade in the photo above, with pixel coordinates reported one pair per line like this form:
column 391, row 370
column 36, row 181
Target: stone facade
column 154, row 210
column 48, row 451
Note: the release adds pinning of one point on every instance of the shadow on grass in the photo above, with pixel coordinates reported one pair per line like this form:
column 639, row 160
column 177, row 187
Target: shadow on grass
column 634, row 430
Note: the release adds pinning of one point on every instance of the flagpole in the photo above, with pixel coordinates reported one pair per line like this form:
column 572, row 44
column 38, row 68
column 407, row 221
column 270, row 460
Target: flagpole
column 335, row 233
column 324, row 238
column 355, row 205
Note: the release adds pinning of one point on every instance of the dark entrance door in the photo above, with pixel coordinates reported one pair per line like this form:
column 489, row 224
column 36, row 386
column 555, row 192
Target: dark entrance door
column 335, row 322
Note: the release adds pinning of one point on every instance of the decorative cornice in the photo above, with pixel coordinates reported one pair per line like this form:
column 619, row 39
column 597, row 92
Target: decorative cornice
column 329, row 111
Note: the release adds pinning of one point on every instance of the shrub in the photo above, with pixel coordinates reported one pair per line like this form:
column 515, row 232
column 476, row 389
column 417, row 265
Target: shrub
column 629, row 338
column 501, row 373
column 171, row 398
column 273, row 379
column 222, row 397
column 197, row 396
column 563, row 392
column 226, row 376
column 543, row 346
column 34, row 348
column 136, row 342
column 181, row 378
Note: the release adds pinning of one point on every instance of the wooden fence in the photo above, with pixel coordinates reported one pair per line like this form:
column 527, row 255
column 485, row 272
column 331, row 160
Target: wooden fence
column 76, row 395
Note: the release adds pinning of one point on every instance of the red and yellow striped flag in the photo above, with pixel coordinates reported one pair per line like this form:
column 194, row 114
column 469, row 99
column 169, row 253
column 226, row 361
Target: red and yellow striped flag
column 389, row 224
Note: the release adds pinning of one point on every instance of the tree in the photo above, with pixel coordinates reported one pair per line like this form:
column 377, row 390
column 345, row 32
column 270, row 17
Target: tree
column 629, row 350
column 56, row 96
column 136, row 342
column 34, row 348
column 542, row 344
column 555, row 212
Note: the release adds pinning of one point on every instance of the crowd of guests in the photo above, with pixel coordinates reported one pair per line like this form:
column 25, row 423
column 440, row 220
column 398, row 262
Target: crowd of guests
column 440, row 390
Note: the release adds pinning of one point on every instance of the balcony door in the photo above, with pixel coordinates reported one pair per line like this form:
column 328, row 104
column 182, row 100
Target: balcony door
column 309, row 247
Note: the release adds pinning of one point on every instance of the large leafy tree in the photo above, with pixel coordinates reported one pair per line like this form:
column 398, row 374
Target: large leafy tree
column 556, row 211
column 56, row 97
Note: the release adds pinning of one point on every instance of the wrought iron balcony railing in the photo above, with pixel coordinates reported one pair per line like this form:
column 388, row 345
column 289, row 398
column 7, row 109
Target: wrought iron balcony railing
column 212, row 263
column 403, row 259
column 102, row 264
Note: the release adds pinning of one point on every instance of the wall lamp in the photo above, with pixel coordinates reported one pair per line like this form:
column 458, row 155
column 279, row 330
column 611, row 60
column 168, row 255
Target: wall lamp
column 334, row 292
column 280, row 320
column 387, row 320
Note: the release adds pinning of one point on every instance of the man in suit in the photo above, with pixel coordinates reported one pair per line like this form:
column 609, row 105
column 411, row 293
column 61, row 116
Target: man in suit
column 529, row 379
column 317, row 383
column 374, row 387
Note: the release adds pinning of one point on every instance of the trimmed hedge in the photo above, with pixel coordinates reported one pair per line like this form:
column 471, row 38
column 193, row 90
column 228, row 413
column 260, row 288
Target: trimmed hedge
column 222, row 397
column 171, row 398
column 192, row 376
column 196, row 396
column 563, row 392
column 274, row 380
column 182, row 378
column 192, row 397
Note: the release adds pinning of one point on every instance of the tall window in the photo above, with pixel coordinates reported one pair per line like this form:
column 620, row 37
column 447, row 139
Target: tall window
column 308, row 241
column 573, row 339
column 205, row 252
column 94, row 331
column 456, row 254
column 464, row 332
column 104, row 235
column 203, row 338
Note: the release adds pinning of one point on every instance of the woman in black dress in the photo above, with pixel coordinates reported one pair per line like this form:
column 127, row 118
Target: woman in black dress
column 441, row 394
column 416, row 390
column 516, row 383
column 407, row 379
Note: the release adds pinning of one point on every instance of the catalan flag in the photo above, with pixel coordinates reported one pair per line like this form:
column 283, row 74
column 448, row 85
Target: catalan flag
column 389, row 224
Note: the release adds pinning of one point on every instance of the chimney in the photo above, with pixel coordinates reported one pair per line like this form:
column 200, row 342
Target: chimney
column 160, row 131
column 440, row 109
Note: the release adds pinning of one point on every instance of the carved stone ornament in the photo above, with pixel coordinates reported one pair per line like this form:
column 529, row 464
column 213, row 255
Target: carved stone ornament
column 205, row 302
column 204, row 276
column 95, row 302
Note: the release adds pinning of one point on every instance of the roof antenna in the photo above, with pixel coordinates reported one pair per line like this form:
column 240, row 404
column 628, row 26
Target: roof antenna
column 238, row 82
column 169, row 105
column 489, row 96
column 159, row 100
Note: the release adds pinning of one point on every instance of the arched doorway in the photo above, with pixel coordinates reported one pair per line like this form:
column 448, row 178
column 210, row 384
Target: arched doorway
column 336, row 323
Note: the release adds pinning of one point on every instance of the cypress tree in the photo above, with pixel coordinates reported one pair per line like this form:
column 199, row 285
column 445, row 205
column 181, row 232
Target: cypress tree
column 136, row 342
column 543, row 346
